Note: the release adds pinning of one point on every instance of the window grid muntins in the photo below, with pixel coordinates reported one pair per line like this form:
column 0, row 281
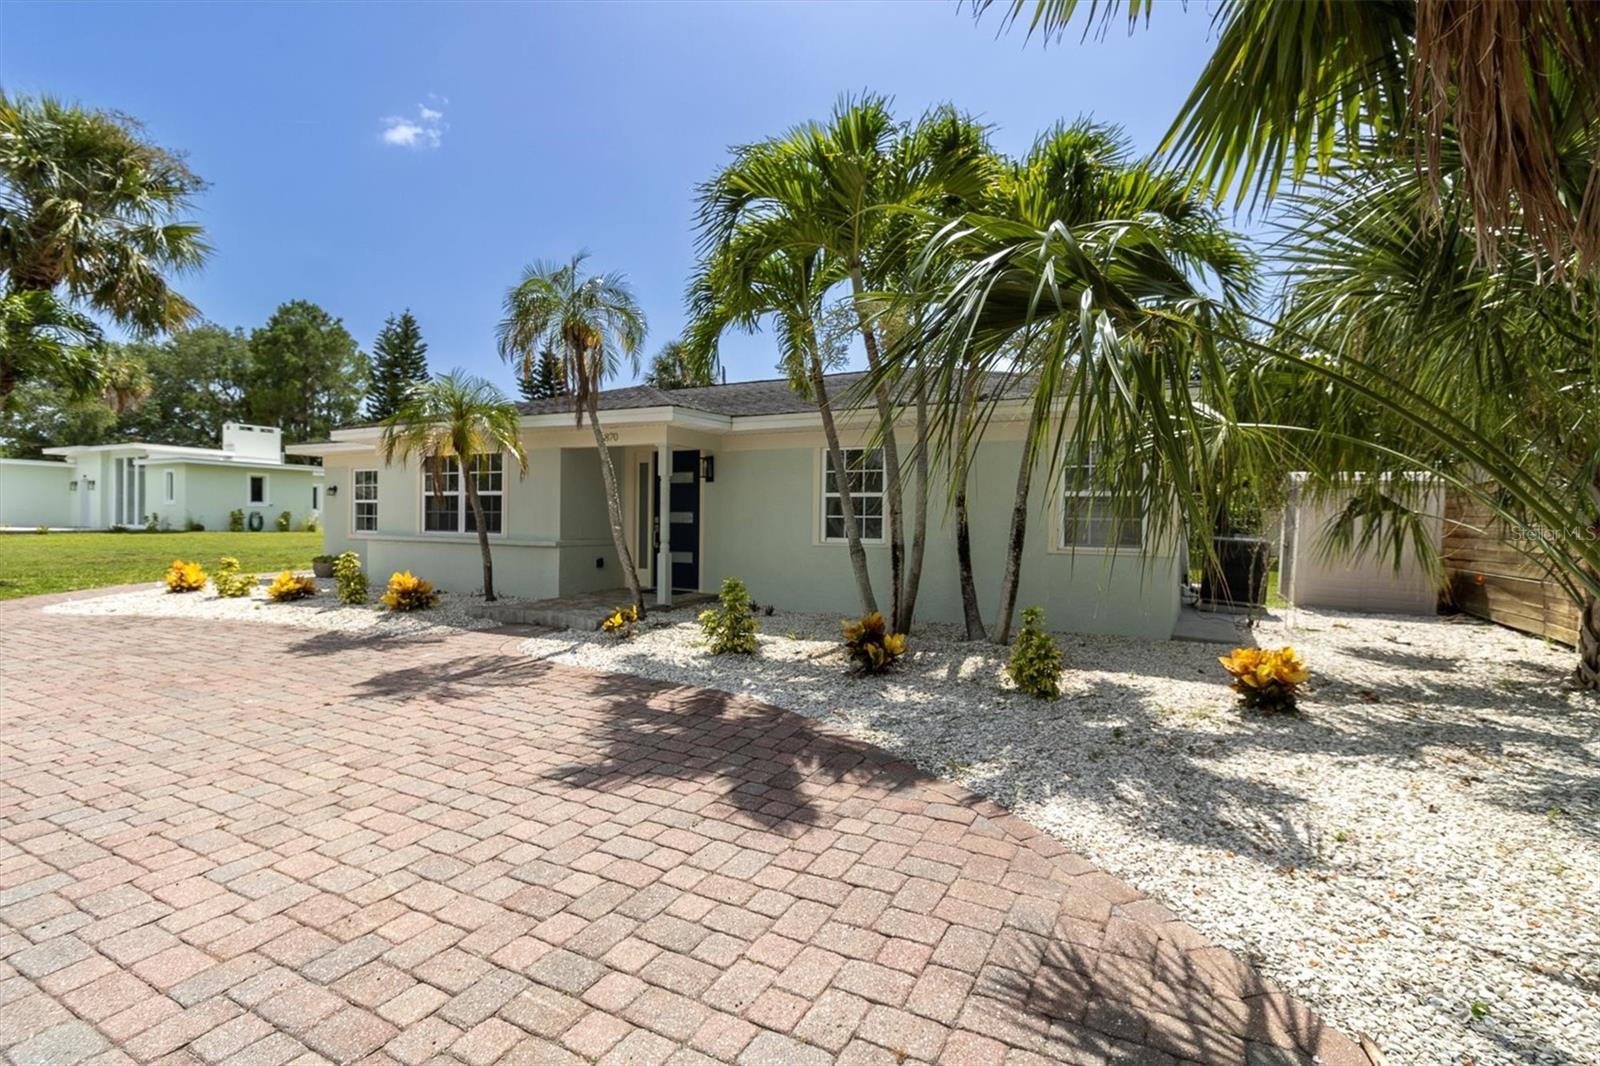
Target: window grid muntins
column 365, row 495
column 445, row 508
column 865, row 473
column 1089, row 518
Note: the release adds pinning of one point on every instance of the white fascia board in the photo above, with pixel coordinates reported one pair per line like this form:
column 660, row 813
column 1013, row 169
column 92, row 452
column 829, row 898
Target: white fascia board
column 330, row 448
column 242, row 464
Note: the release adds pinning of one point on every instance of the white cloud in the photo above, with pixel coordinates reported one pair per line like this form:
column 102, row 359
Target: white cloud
column 426, row 130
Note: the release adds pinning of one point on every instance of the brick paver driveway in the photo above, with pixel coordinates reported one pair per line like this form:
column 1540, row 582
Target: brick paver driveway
column 257, row 845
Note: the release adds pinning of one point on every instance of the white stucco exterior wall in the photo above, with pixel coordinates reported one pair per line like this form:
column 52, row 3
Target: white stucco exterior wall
column 35, row 492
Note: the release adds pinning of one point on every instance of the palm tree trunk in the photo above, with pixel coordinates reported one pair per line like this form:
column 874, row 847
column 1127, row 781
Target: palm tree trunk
column 919, row 527
column 852, row 531
column 608, row 474
column 962, row 463
column 1019, row 530
column 1587, row 673
column 891, row 452
column 483, row 532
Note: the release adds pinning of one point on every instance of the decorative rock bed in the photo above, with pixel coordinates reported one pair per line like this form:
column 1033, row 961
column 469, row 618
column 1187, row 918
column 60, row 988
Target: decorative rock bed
column 322, row 611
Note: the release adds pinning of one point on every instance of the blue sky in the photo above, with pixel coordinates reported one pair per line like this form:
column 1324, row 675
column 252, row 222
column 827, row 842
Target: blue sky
column 373, row 157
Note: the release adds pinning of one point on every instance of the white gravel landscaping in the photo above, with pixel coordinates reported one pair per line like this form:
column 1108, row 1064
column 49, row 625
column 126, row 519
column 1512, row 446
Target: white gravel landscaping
column 322, row 611
column 1417, row 854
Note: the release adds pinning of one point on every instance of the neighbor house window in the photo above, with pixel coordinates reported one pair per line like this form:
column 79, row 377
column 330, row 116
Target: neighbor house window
column 444, row 505
column 169, row 482
column 316, row 497
column 1088, row 517
column 365, row 496
column 865, row 467
column 258, row 489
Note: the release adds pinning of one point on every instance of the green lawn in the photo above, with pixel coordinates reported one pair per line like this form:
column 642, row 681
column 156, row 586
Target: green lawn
column 32, row 563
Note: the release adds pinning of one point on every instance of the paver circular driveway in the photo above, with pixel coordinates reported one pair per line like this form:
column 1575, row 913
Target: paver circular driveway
column 259, row 845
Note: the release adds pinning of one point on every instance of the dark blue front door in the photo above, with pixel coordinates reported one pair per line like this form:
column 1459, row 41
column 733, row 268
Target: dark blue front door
column 684, row 535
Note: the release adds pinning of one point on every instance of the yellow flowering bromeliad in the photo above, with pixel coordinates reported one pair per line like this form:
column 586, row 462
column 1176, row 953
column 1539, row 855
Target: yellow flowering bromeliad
column 289, row 586
column 870, row 645
column 408, row 592
column 621, row 623
column 1266, row 678
column 185, row 577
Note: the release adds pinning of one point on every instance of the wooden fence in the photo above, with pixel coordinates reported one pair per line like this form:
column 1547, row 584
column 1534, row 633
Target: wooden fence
column 1490, row 578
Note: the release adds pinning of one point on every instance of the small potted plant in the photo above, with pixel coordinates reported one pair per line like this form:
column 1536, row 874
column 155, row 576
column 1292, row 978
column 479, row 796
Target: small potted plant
column 322, row 565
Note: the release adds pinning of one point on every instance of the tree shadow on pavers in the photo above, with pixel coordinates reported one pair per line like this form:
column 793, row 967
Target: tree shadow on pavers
column 768, row 766
column 336, row 643
column 1108, row 994
column 451, row 678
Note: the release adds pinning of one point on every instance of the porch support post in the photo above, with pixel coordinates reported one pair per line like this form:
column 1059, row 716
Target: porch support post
column 664, row 511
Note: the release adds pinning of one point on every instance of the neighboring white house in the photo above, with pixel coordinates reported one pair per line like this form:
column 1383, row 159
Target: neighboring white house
column 132, row 484
column 745, row 495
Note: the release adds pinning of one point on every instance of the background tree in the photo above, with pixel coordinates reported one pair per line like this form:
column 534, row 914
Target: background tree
column 399, row 365
column 544, row 379
column 307, row 375
column 49, row 416
column 462, row 418
column 90, row 211
column 671, row 368
column 595, row 324
column 198, row 380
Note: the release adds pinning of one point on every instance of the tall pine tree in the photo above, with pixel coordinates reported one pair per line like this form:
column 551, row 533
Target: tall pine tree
column 547, row 380
column 399, row 365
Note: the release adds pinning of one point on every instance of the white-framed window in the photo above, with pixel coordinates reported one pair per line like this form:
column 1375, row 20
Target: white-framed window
column 865, row 471
column 258, row 490
column 169, row 486
column 444, row 505
column 364, row 497
column 1088, row 518
column 316, row 497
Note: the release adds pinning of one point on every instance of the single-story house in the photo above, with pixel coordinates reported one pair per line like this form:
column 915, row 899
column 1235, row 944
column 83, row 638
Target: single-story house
column 740, row 472
column 129, row 485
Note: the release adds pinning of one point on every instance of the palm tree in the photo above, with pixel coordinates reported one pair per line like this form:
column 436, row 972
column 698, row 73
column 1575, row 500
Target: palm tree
column 1514, row 361
column 1500, row 87
column 733, row 290
column 461, row 419
column 1079, row 230
column 594, row 325
column 857, row 190
column 43, row 339
column 91, row 209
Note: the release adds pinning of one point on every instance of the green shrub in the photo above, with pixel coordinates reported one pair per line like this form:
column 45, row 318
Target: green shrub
column 870, row 645
column 229, row 582
column 1035, row 660
column 236, row 520
column 194, row 525
column 312, row 525
column 285, row 521
column 731, row 628
column 349, row 579
column 41, row 530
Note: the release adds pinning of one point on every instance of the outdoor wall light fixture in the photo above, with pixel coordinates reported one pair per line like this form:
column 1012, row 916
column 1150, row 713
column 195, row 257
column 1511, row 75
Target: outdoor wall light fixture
column 333, row 490
column 708, row 468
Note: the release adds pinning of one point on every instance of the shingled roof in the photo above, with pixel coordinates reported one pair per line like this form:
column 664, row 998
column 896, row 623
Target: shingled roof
column 738, row 399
